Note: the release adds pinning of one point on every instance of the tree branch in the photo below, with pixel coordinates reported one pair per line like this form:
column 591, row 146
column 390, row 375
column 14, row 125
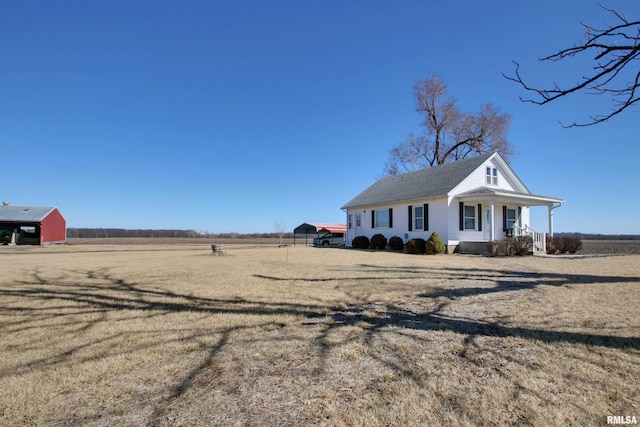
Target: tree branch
column 612, row 60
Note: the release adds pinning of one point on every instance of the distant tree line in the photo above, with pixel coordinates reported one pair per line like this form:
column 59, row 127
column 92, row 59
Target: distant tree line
column 592, row 236
column 190, row 234
column 121, row 232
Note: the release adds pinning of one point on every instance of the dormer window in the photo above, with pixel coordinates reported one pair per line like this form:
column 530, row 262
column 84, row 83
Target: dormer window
column 492, row 176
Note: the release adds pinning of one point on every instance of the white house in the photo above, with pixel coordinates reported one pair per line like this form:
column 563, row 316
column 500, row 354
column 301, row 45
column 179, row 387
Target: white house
column 468, row 203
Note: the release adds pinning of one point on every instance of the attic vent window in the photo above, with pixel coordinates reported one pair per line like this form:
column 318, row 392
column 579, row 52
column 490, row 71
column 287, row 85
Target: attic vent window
column 26, row 210
column 492, row 176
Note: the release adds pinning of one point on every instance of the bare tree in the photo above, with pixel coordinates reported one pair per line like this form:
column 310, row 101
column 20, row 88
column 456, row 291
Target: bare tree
column 614, row 49
column 281, row 228
column 448, row 133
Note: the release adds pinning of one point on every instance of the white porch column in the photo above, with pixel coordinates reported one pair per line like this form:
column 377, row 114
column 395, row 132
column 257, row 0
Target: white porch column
column 550, row 207
column 492, row 233
column 348, row 236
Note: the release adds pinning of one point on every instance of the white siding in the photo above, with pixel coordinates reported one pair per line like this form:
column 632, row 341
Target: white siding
column 474, row 181
column 444, row 218
column 438, row 219
column 503, row 180
column 400, row 227
column 454, row 234
column 477, row 179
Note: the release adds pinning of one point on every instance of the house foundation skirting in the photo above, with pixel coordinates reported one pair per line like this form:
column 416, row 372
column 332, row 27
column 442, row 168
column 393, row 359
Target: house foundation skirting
column 477, row 248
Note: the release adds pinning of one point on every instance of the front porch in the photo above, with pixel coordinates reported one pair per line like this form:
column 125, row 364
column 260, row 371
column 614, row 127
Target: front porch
column 537, row 240
column 507, row 215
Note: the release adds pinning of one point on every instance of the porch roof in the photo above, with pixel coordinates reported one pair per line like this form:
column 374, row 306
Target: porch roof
column 501, row 195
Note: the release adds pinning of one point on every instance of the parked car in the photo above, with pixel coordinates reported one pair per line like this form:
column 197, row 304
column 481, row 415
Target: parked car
column 329, row 239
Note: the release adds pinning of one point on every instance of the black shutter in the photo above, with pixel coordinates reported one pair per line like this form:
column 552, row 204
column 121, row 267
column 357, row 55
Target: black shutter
column 461, row 216
column 373, row 218
column 504, row 218
column 425, row 216
column 410, row 218
column 390, row 217
column 479, row 217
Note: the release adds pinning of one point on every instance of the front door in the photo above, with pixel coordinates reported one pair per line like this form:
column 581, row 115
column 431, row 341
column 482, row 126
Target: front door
column 358, row 226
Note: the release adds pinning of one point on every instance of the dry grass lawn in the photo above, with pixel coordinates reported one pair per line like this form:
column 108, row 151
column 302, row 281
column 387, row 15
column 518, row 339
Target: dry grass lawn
column 170, row 335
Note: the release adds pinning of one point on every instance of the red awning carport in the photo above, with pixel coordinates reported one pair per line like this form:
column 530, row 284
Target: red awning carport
column 316, row 228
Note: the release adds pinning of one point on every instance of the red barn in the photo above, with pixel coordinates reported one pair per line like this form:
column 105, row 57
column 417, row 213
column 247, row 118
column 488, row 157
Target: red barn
column 31, row 225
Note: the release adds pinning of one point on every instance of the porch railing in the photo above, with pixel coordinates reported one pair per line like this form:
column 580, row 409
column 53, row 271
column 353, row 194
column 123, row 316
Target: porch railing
column 538, row 238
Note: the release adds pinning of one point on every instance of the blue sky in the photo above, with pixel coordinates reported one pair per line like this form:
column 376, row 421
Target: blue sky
column 235, row 116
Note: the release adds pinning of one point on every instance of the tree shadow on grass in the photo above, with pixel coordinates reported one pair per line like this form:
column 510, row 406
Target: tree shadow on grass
column 69, row 308
column 435, row 320
column 111, row 294
column 86, row 302
column 502, row 280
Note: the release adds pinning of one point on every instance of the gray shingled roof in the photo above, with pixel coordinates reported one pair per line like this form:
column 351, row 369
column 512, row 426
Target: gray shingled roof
column 425, row 183
column 24, row 213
